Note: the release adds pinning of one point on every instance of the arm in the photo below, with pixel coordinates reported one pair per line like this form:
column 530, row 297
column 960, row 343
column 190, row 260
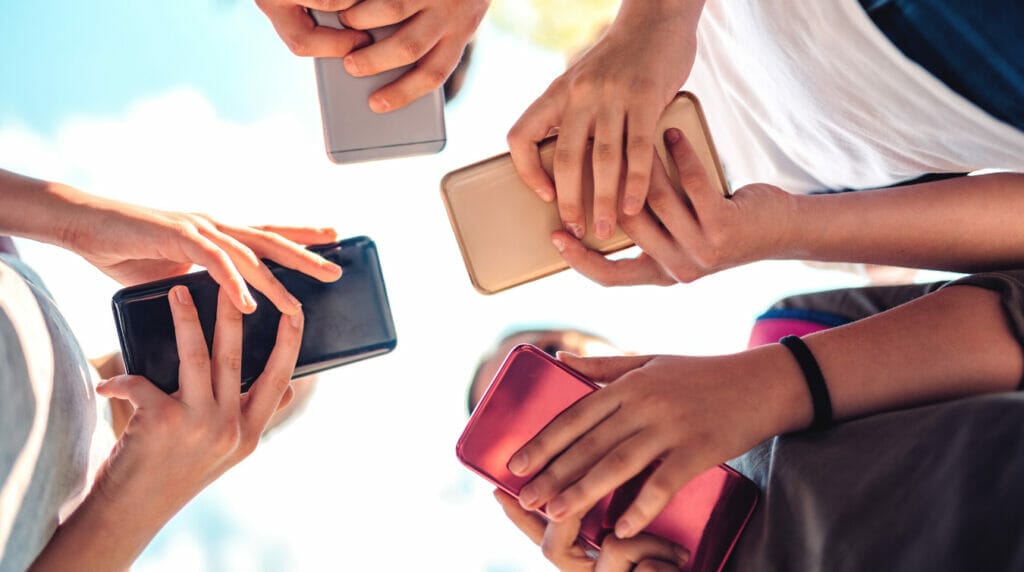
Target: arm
column 134, row 244
column 614, row 93
column 174, row 445
column 693, row 413
column 964, row 224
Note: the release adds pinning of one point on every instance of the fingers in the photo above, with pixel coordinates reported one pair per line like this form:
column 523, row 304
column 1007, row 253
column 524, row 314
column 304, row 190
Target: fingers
column 671, row 209
column 603, row 369
column 640, row 126
column 285, row 251
column 570, row 154
column 369, row 14
column 622, row 272
column 139, row 391
column 271, row 385
column 301, row 234
column 559, row 543
column 430, row 72
column 534, row 125
column 560, row 433
column 407, row 45
column 205, row 253
column 304, row 38
column 607, row 164
column 656, row 554
column 692, row 175
column 254, row 270
column 670, row 476
column 571, row 464
column 193, row 353
column 615, row 466
column 227, row 354
column 529, row 522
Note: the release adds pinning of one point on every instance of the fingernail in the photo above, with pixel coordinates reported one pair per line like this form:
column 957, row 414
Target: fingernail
column 682, row 554
column 559, row 244
column 673, row 135
column 183, row 295
column 248, row 300
column 331, row 267
column 294, row 301
column 631, row 204
column 545, row 195
column 623, row 529
column 379, row 104
column 517, row 464
column 576, row 229
column 295, row 320
column 557, row 507
column 603, row 229
column 527, row 496
column 102, row 384
column 351, row 66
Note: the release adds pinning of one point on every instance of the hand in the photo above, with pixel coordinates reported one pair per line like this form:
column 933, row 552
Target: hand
column 558, row 542
column 691, row 413
column 134, row 244
column 433, row 35
column 175, row 445
column 615, row 92
column 685, row 237
column 301, row 34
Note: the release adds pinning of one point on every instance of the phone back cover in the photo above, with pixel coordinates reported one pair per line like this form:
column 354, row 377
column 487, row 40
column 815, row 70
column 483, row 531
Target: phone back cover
column 354, row 132
column 504, row 229
column 706, row 516
column 345, row 321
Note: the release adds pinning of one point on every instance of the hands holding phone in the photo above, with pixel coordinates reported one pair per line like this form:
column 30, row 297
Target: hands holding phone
column 432, row 35
column 614, row 94
column 558, row 542
column 686, row 413
column 687, row 236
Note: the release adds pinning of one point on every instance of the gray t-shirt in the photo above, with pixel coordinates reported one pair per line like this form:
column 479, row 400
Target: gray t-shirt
column 47, row 417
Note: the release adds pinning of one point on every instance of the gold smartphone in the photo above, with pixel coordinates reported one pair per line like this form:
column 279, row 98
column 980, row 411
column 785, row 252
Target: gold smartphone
column 503, row 227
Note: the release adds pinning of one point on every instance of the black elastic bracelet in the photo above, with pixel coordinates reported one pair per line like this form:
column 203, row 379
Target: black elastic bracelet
column 815, row 380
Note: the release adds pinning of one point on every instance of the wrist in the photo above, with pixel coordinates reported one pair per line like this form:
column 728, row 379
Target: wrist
column 801, row 233
column 682, row 12
column 778, row 391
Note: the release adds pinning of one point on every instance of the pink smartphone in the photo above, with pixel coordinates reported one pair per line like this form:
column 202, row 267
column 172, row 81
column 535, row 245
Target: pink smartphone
column 530, row 389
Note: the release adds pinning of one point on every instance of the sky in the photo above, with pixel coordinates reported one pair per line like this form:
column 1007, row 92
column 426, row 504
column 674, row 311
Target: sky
column 196, row 105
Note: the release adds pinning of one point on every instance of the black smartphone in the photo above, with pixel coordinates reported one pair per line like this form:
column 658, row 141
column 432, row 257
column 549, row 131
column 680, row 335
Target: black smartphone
column 345, row 321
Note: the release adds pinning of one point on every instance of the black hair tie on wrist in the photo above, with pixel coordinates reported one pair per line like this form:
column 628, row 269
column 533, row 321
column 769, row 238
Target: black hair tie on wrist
column 815, row 381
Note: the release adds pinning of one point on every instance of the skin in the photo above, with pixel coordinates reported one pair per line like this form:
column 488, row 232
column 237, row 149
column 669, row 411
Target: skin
column 613, row 95
column 431, row 36
column 967, row 224
column 134, row 244
column 557, row 540
column 174, row 445
column 692, row 413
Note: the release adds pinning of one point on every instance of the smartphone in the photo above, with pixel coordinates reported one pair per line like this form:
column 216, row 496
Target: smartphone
column 530, row 389
column 345, row 321
column 504, row 229
column 352, row 131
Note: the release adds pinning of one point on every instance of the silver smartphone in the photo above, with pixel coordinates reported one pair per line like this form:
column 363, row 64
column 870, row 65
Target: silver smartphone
column 352, row 131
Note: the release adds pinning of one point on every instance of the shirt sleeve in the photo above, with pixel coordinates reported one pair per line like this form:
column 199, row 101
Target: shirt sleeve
column 1010, row 286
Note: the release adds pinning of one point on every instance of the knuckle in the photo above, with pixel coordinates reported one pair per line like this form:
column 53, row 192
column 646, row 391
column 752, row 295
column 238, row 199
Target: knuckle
column 247, row 443
column 581, row 86
column 613, row 546
column 647, row 566
column 412, row 49
column 297, row 44
column 639, row 142
column 659, row 487
column 549, row 551
column 604, row 153
column 434, row 76
column 566, row 157
column 618, row 459
column 685, row 273
column 197, row 357
column 641, row 85
column 232, row 360
column 658, row 201
column 225, row 438
column 636, row 179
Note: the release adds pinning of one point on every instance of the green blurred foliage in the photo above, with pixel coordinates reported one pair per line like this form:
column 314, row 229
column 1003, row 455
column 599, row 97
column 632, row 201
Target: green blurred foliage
column 566, row 26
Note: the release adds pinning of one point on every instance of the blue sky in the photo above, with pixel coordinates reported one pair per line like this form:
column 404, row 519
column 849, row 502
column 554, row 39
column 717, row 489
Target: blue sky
column 68, row 58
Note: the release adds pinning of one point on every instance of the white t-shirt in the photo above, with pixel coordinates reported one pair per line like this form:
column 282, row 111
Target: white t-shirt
column 811, row 95
column 51, row 441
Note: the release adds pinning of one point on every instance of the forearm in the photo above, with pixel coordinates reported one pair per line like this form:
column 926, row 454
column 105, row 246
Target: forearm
column 106, row 532
column 36, row 209
column 966, row 224
column 687, row 12
column 953, row 343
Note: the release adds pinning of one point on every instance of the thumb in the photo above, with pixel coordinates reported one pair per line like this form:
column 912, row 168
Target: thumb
column 603, row 369
column 139, row 391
